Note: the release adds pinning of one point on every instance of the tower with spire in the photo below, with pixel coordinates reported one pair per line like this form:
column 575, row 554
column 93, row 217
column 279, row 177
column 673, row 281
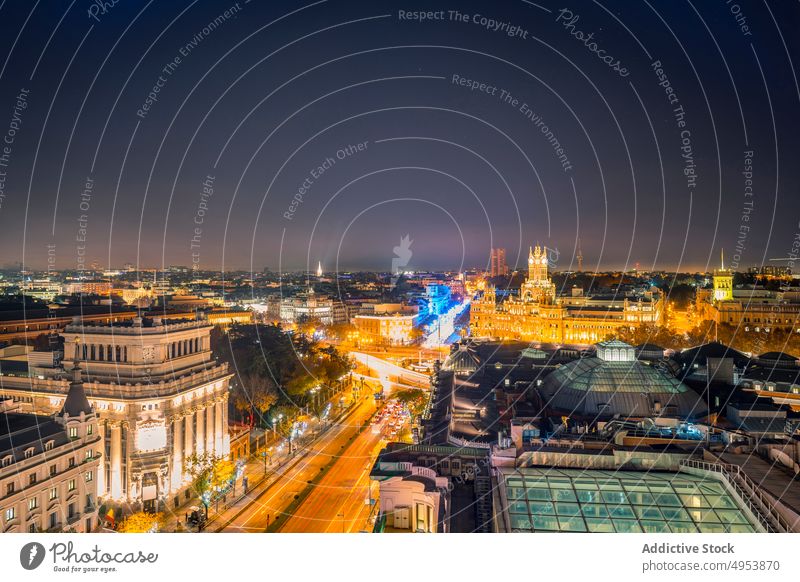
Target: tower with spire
column 723, row 281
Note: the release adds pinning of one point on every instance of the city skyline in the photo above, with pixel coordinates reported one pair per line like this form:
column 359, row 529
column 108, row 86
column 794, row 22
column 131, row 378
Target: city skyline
column 172, row 156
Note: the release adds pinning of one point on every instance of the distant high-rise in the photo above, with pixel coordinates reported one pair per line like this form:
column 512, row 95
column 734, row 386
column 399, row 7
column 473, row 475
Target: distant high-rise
column 319, row 269
column 579, row 257
column 498, row 263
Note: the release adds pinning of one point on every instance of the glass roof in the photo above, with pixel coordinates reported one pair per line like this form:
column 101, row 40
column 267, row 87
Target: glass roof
column 563, row 500
column 602, row 376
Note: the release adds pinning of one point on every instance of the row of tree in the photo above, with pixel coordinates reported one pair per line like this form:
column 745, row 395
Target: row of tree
column 275, row 371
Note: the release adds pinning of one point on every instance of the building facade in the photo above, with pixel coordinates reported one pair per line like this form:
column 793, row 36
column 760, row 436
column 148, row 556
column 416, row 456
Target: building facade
column 160, row 397
column 749, row 309
column 50, row 466
column 539, row 314
column 497, row 263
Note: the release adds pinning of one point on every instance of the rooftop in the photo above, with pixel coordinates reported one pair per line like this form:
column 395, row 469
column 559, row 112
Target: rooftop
column 568, row 500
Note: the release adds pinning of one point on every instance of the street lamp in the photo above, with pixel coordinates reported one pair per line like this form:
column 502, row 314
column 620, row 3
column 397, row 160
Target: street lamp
column 275, row 420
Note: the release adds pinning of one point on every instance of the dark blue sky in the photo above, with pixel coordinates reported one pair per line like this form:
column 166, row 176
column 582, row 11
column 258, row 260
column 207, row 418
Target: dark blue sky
column 263, row 95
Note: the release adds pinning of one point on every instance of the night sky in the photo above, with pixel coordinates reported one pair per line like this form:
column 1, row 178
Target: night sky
column 226, row 134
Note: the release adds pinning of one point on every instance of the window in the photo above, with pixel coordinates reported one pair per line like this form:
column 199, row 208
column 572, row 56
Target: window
column 29, row 453
column 53, row 520
column 32, row 479
column 89, row 454
column 11, row 513
column 6, row 461
column 73, row 432
column 48, row 446
column 89, row 476
column 90, row 430
column 9, row 489
column 71, row 462
column 70, row 511
column 33, row 503
column 54, row 493
column 53, row 470
column 71, row 485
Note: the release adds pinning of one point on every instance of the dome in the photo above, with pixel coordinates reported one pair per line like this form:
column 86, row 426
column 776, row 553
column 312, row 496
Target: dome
column 601, row 388
column 463, row 360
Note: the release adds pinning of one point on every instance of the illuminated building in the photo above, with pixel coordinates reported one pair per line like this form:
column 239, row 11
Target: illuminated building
column 159, row 395
column 93, row 287
column 497, row 263
column 748, row 309
column 412, row 498
column 438, row 298
column 723, row 282
column 50, row 466
column 310, row 306
column 393, row 329
column 538, row 314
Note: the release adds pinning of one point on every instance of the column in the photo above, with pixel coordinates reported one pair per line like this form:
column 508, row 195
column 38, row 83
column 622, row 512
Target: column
column 101, row 468
column 226, row 437
column 210, row 426
column 188, row 435
column 116, row 461
column 201, row 431
column 177, row 453
column 218, row 429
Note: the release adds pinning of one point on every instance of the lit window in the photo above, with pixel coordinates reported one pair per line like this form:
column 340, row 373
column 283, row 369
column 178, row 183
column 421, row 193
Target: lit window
column 54, row 493
column 73, row 432
column 71, row 485
column 48, row 446
column 29, row 453
column 89, row 477
column 33, row 503
column 10, row 513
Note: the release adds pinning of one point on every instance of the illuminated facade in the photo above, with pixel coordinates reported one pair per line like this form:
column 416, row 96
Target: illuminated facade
column 395, row 329
column 723, row 282
column 49, row 466
column 160, row 397
column 749, row 309
column 538, row 314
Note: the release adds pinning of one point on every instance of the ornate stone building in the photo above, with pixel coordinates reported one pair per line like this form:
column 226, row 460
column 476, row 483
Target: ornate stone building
column 749, row 309
column 539, row 314
column 49, row 466
column 160, row 397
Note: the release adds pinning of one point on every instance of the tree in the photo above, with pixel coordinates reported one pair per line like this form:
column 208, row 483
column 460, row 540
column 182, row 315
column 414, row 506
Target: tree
column 211, row 475
column 142, row 522
column 413, row 398
column 254, row 392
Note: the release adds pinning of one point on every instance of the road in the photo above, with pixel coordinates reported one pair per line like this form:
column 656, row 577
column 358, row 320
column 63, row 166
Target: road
column 338, row 503
column 293, row 478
